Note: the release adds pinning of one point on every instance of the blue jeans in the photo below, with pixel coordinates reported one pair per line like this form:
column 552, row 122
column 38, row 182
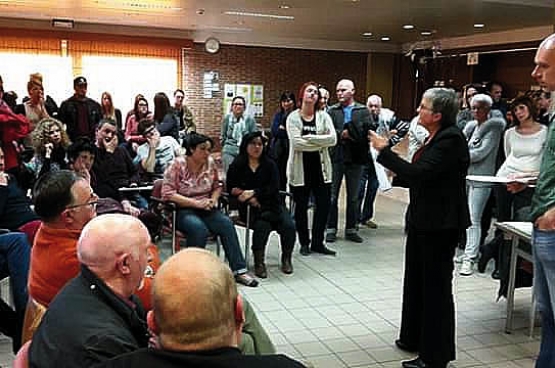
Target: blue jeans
column 352, row 174
column 367, row 195
column 14, row 262
column 198, row 224
column 477, row 199
column 544, row 288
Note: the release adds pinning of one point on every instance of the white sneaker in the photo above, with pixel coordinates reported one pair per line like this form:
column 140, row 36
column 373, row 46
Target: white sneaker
column 466, row 268
column 459, row 258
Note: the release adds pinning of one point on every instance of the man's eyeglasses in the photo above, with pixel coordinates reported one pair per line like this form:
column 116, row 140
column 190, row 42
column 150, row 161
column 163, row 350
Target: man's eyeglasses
column 93, row 202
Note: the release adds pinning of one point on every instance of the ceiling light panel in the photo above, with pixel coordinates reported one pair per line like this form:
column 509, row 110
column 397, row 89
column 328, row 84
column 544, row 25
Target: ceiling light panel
column 259, row 15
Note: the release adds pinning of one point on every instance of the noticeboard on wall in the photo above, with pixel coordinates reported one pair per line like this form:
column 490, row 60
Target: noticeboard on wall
column 252, row 93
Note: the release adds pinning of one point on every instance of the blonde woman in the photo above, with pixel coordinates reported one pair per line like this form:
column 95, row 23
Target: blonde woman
column 109, row 111
column 50, row 142
column 34, row 108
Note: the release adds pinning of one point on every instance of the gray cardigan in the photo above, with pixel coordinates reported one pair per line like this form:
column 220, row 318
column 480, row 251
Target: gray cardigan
column 483, row 145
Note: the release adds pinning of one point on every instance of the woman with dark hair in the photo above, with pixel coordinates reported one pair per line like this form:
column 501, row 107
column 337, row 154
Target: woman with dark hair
column 80, row 155
column 437, row 213
column 234, row 126
column 193, row 184
column 523, row 148
column 50, row 142
column 280, row 141
column 253, row 179
column 164, row 116
column 140, row 112
column 109, row 111
column 309, row 169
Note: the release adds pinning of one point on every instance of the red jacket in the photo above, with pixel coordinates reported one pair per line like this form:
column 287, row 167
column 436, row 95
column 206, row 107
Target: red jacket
column 12, row 128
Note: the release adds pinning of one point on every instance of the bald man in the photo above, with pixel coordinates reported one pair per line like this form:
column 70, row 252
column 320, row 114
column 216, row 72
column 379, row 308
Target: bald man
column 543, row 214
column 352, row 122
column 203, row 330
column 96, row 316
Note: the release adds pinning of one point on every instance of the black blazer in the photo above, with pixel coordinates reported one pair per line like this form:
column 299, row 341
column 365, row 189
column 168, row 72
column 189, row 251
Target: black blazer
column 436, row 180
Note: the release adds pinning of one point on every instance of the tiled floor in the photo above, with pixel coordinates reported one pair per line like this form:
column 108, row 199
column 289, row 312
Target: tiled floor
column 344, row 311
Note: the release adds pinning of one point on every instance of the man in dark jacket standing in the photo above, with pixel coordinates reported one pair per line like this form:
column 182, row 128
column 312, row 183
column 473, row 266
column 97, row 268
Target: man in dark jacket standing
column 352, row 122
column 79, row 113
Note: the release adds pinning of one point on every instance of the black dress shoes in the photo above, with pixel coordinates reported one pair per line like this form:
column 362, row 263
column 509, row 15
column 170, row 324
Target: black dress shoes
column 419, row 363
column 323, row 250
column 305, row 250
column 405, row 347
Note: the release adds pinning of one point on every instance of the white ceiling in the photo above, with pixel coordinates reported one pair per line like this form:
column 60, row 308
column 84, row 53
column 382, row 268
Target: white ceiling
column 336, row 23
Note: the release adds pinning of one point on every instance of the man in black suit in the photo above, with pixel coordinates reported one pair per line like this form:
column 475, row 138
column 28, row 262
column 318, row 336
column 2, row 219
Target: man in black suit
column 202, row 327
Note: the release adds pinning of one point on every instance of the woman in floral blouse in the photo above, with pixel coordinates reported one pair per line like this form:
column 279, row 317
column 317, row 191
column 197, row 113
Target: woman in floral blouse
column 193, row 184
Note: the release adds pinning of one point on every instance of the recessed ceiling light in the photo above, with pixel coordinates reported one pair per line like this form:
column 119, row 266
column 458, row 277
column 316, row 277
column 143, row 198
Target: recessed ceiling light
column 284, row 6
column 260, row 15
column 479, row 25
column 367, row 34
column 385, row 38
column 426, row 33
column 408, row 26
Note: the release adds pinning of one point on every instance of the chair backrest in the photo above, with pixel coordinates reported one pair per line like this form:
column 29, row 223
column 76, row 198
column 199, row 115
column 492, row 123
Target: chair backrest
column 30, row 229
column 22, row 358
column 33, row 316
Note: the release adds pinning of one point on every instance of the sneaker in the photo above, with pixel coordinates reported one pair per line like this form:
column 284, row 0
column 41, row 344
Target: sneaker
column 354, row 237
column 331, row 238
column 466, row 268
column 370, row 224
column 459, row 258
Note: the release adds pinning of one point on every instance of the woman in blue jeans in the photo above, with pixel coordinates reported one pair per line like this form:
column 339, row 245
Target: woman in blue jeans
column 193, row 184
column 14, row 262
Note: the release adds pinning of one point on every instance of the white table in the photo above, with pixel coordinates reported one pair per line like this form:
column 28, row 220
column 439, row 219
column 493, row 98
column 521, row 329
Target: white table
column 517, row 231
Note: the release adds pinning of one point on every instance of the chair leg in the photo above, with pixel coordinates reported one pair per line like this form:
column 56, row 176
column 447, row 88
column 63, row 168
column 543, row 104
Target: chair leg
column 174, row 232
column 532, row 313
column 247, row 236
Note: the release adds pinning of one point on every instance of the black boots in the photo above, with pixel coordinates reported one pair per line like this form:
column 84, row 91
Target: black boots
column 286, row 265
column 259, row 265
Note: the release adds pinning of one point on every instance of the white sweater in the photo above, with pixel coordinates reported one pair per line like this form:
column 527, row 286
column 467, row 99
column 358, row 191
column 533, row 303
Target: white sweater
column 523, row 152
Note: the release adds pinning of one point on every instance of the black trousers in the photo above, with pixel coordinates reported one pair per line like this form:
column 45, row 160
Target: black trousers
column 284, row 226
column 428, row 317
column 301, row 194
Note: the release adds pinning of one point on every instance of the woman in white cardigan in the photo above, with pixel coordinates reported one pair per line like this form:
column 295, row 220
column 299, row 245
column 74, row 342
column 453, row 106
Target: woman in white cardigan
column 309, row 169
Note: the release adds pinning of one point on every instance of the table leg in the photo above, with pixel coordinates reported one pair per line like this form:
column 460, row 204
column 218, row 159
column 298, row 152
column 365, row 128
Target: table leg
column 511, row 287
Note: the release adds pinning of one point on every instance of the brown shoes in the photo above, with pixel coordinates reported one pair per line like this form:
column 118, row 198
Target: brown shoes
column 286, row 265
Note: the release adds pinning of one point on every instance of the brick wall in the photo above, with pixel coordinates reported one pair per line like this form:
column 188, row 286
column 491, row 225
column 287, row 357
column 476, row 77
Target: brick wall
column 274, row 68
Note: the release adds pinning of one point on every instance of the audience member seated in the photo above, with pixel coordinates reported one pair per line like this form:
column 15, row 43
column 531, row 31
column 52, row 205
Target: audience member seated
column 234, row 126
column 193, row 184
column 158, row 152
column 113, row 169
column 165, row 117
column 184, row 115
column 50, row 142
column 96, row 316
column 14, row 262
column 34, row 109
column 65, row 203
column 80, row 156
column 253, row 178
column 198, row 332
column 139, row 112
column 15, row 210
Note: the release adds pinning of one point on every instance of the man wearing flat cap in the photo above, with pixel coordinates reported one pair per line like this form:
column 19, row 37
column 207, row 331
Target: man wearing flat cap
column 79, row 113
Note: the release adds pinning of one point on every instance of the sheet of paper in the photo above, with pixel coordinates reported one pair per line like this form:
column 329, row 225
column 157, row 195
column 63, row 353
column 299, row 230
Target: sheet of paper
column 500, row 180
